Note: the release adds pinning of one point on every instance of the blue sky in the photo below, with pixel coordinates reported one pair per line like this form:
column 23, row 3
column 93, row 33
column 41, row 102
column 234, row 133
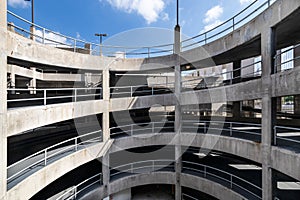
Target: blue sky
column 83, row 18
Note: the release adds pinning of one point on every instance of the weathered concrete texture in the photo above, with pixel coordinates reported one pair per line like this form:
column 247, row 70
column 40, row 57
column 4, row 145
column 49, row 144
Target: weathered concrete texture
column 19, row 120
column 50, row 173
column 25, row 49
column 21, row 71
column 141, row 179
column 286, row 83
column 286, row 161
column 214, row 189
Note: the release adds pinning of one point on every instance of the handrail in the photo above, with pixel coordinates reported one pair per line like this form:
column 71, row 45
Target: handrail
column 51, row 152
column 232, row 26
column 132, row 167
column 149, row 52
column 231, row 181
column 76, row 94
column 75, row 191
column 276, row 137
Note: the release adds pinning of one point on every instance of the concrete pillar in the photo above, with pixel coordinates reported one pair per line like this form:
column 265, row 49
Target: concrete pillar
column 178, row 117
column 32, row 83
column 106, row 97
column 3, row 95
column 105, row 173
column 268, row 110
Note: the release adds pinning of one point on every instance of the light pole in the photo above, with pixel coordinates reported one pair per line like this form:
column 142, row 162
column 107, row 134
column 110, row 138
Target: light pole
column 100, row 35
column 32, row 19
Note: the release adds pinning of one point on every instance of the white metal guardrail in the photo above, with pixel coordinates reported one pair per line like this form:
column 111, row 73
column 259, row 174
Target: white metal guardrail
column 141, row 90
column 50, row 154
column 49, row 37
column 202, row 126
column 135, row 129
column 286, row 134
column 207, row 171
column 143, row 166
column 225, row 78
column 231, row 127
column 79, row 189
column 247, row 14
column 45, row 95
column 223, row 176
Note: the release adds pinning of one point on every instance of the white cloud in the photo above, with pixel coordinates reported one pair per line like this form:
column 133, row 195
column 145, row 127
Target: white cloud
column 211, row 26
column 150, row 10
column 18, row 3
column 246, row 1
column 165, row 17
column 213, row 14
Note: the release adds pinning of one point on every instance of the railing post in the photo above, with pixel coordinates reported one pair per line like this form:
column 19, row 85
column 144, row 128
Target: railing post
column 204, row 128
column 153, row 164
column 233, row 23
column 231, row 182
column 205, row 37
column 204, row 171
column 45, row 97
column 75, row 45
column 75, row 192
column 131, row 168
column 230, row 126
column 131, row 132
column 269, row 3
column 45, row 157
column 44, row 35
column 148, row 52
column 275, row 135
column 131, row 91
column 153, row 127
column 76, row 144
column 75, row 95
column 152, row 91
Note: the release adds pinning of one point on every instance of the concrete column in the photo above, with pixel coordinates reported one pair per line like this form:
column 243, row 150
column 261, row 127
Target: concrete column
column 3, row 95
column 32, row 83
column 268, row 110
column 178, row 117
column 106, row 98
column 105, row 172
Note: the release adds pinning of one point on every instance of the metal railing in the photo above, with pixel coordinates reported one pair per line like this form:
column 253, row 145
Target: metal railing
column 253, row 10
column 143, row 166
column 141, row 90
column 50, row 154
column 230, row 128
column 77, row 190
column 46, row 36
column 143, row 128
column 225, row 78
column 278, row 64
column 51, row 96
column 188, row 196
column 231, row 181
column 281, row 132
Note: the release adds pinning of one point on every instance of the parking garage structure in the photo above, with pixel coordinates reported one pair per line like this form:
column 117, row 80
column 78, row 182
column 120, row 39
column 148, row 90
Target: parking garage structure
column 68, row 115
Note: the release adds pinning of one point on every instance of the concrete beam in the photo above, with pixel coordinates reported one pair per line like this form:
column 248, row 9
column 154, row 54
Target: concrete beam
column 50, row 173
column 23, row 119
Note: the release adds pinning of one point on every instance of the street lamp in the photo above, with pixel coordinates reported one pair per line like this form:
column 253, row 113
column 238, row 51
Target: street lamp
column 32, row 19
column 100, row 35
